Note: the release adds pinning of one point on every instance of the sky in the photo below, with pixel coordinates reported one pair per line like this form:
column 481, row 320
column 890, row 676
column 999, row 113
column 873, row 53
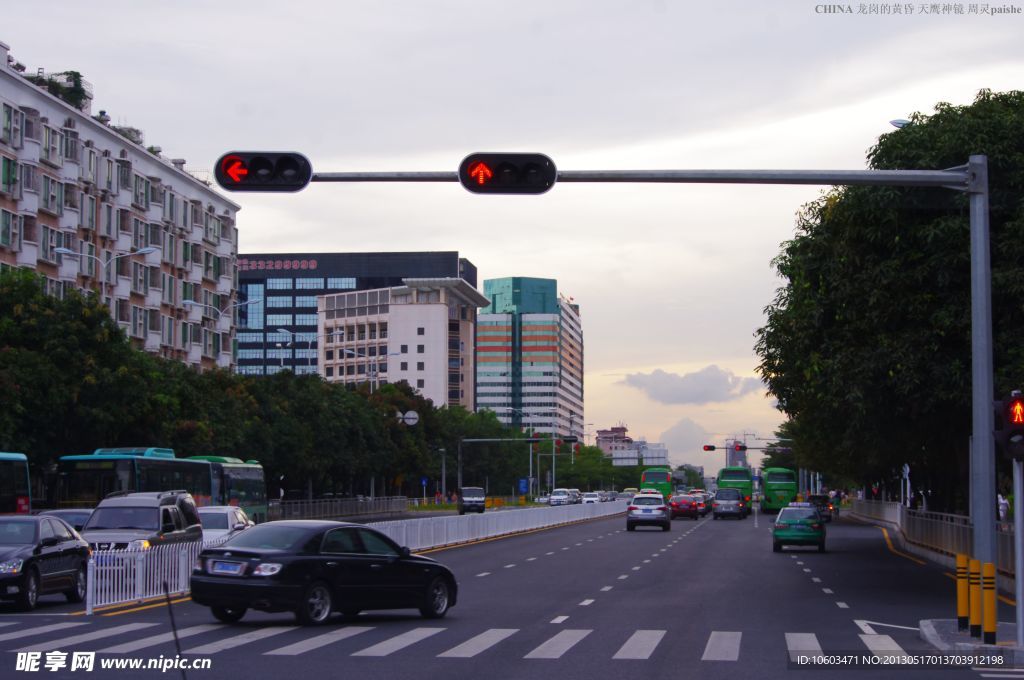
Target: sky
column 672, row 279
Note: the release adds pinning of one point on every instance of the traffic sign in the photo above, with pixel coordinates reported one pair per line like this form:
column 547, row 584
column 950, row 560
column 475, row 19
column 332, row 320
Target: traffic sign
column 524, row 485
column 507, row 173
column 263, row 171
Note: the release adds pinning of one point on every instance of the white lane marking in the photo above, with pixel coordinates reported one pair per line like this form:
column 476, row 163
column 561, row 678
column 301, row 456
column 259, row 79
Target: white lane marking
column 6, row 623
column 827, row 591
column 624, row 577
column 579, row 544
column 565, row 548
column 640, row 645
column 606, row 589
column 636, row 568
column 816, row 579
column 484, row 573
column 558, row 645
column 509, row 566
column 480, row 643
column 559, row 619
column 654, row 555
column 842, row 605
column 160, row 639
column 647, row 561
column 586, row 603
column 530, row 559
column 996, row 675
column 235, row 641
column 663, row 550
column 799, row 562
column 590, row 540
column 792, row 557
column 882, row 645
column 318, row 641
column 27, row 632
column 802, row 644
column 398, row 642
column 84, row 637
column 722, row 646
column 806, row 570
column 550, row 553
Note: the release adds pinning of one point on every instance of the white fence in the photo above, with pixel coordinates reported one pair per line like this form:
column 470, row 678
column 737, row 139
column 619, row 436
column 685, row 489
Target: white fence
column 122, row 576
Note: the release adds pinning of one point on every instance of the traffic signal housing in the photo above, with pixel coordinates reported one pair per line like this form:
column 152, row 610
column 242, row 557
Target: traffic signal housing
column 709, row 447
column 1009, row 425
column 263, row 171
column 507, row 173
column 739, row 447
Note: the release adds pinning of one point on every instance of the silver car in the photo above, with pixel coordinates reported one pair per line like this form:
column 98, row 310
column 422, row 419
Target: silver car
column 648, row 509
column 728, row 502
column 560, row 497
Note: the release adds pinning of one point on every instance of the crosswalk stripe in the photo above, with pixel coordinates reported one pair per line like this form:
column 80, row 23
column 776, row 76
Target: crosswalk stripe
column 881, row 645
column 480, row 643
column 318, row 641
column 27, row 632
column 6, row 623
column 559, row 644
column 805, row 644
column 722, row 646
column 640, row 645
column 84, row 637
column 398, row 642
column 237, row 640
column 160, row 639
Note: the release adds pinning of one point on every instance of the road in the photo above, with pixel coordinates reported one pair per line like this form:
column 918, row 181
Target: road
column 709, row 599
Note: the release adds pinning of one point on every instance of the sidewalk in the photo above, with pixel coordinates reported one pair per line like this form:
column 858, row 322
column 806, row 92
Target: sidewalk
column 944, row 636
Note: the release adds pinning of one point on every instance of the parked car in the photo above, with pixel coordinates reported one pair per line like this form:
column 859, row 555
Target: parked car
column 222, row 520
column 137, row 521
column 471, row 499
column 560, row 497
column 76, row 517
column 683, row 506
column 40, row 555
column 591, row 497
column 316, row 567
column 646, row 509
column 728, row 502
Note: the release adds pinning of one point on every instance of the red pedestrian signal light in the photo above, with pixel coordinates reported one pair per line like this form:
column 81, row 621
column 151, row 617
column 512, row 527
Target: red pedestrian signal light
column 709, row 447
column 507, row 173
column 1015, row 411
column 263, row 171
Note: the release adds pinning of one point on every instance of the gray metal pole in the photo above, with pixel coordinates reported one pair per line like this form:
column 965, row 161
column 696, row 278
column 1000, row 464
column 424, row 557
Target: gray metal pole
column 553, row 460
column 444, row 476
column 458, row 477
column 1018, row 546
column 983, row 465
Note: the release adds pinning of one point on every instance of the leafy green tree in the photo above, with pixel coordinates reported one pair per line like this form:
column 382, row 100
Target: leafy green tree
column 867, row 346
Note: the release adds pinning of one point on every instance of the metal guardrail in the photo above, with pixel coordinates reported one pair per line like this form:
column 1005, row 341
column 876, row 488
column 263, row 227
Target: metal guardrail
column 330, row 508
column 938, row 531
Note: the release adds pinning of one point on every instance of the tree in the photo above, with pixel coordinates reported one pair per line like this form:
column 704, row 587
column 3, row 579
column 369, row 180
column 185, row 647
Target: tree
column 867, row 346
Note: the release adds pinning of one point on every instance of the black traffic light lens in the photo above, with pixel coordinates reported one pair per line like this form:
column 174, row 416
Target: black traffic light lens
column 261, row 169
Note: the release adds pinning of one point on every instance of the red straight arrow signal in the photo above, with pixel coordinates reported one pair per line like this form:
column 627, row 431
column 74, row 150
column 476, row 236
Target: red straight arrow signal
column 234, row 168
column 481, row 172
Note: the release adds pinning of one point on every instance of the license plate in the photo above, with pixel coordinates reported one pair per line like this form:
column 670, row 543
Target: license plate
column 227, row 568
column 647, row 512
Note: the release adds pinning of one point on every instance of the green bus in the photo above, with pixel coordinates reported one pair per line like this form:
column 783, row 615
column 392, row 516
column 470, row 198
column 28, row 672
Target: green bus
column 738, row 477
column 85, row 480
column 778, row 488
column 237, row 482
column 659, row 478
column 15, row 492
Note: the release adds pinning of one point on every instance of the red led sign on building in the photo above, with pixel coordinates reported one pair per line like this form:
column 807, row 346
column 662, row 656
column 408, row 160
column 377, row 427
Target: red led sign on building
column 253, row 265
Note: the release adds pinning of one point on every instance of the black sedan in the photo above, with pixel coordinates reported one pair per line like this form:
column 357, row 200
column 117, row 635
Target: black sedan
column 40, row 555
column 76, row 517
column 314, row 568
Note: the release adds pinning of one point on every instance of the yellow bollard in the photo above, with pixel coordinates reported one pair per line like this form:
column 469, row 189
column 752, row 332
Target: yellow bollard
column 963, row 608
column 975, row 584
column 988, row 601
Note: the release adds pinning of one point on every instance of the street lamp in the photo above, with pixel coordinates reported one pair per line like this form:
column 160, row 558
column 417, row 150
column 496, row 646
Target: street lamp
column 67, row 252
column 219, row 312
column 373, row 374
column 309, row 343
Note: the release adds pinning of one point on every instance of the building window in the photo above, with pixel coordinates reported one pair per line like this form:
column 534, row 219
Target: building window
column 276, row 320
column 330, row 371
column 329, row 355
column 419, row 365
column 419, row 383
column 305, row 319
column 419, row 331
column 404, row 349
column 279, row 284
column 279, row 301
column 309, row 284
column 305, row 301
column 341, row 283
column 403, row 366
column 419, row 349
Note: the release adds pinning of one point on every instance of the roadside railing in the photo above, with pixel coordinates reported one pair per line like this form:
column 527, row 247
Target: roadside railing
column 938, row 531
column 330, row 508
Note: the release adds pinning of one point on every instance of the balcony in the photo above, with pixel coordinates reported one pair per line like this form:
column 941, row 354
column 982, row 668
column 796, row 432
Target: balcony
column 225, row 248
column 154, row 298
column 68, row 269
column 195, row 354
column 124, row 242
column 224, row 285
column 69, row 220
column 194, row 313
column 224, row 322
column 196, row 269
column 123, row 287
column 152, row 258
column 71, row 170
column 153, row 341
column 29, row 203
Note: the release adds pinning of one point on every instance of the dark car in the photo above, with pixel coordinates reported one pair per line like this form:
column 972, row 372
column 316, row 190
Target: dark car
column 40, row 555
column 684, row 506
column 139, row 521
column 316, row 567
column 471, row 499
column 824, row 505
column 76, row 517
column 728, row 502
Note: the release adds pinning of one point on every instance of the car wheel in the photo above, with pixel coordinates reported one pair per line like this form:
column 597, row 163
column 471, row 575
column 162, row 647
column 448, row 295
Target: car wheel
column 776, row 546
column 666, row 527
column 436, row 599
column 821, row 547
column 315, row 607
column 228, row 614
column 30, row 592
column 77, row 592
column 630, row 527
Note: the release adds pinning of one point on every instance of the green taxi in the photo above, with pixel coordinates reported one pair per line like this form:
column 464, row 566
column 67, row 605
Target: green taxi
column 798, row 524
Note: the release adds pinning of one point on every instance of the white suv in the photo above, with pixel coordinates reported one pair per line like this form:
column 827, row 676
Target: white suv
column 591, row 497
column 560, row 497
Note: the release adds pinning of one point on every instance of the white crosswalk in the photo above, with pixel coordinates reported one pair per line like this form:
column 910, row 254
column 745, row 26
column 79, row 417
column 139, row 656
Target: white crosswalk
column 382, row 641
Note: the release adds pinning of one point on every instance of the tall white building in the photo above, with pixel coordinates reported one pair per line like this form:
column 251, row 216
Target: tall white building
column 421, row 332
column 78, row 199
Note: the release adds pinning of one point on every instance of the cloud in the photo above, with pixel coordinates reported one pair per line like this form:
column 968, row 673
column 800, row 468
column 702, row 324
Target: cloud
column 684, row 441
column 709, row 384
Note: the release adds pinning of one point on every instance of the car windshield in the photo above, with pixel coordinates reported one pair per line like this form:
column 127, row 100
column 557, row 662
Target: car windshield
column 213, row 520
column 559, row 492
column 473, row 491
column 123, row 518
column 269, row 536
column 648, row 500
column 17, row 531
column 728, row 495
column 780, row 477
column 591, row 494
column 797, row 514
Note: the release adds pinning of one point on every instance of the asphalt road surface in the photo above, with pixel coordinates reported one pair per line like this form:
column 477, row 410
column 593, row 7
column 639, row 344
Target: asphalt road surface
column 708, row 599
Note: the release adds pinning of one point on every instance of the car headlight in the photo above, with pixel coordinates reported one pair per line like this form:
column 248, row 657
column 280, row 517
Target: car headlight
column 11, row 566
column 140, row 544
column 267, row 569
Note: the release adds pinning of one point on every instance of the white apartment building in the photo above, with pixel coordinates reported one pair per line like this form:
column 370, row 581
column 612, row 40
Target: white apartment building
column 78, row 199
column 421, row 332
